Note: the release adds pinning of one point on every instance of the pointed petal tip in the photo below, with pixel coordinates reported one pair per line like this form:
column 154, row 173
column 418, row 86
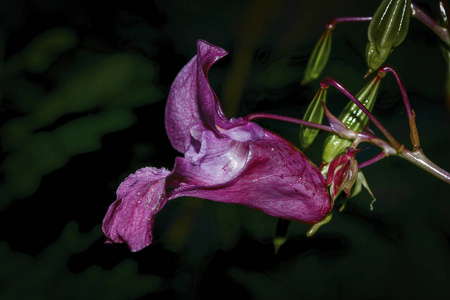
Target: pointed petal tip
column 202, row 45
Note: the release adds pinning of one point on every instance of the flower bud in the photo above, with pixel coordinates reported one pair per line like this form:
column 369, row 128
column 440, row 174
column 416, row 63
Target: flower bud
column 354, row 118
column 387, row 30
column 314, row 114
column 342, row 174
column 319, row 57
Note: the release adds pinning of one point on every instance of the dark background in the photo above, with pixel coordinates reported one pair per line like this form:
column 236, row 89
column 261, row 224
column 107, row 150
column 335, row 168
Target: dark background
column 83, row 88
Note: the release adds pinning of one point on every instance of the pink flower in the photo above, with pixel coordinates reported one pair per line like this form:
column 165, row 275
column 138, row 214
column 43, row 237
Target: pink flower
column 231, row 161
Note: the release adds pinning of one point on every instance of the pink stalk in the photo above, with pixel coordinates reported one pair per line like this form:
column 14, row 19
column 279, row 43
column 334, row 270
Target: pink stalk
column 368, row 162
column 440, row 31
column 393, row 71
column 416, row 157
column 332, row 82
column 254, row 116
column 332, row 23
column 416, row 12
column 394, row 148
column 410, row 113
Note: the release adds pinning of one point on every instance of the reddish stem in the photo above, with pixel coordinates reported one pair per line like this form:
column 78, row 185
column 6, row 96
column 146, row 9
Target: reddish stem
column 393, row 71
column 440, row 31
column 379, row 157
column 332, row 82
column 254, row 116
column 414, row 134
column 332, row 23
column 416, row 12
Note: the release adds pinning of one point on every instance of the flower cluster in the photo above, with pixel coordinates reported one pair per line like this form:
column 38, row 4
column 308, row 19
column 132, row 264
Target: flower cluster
column 237, row 161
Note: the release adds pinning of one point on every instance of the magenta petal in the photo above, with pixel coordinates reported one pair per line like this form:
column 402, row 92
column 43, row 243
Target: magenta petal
column 214, row 162
column 276, row 179
column 139, row 198
column 191, row 99
column 241, row 130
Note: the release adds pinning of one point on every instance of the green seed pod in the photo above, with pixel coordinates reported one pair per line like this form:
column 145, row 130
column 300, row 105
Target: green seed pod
column 354, row 118
column 387, row 30
column 314, row 114
column 319, row 57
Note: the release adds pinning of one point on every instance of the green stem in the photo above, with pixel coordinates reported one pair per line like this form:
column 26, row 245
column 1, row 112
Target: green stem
column 419, row 159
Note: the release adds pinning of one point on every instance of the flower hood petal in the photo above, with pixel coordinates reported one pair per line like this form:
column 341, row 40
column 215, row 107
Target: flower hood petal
column 192, row 102
column 191, row 99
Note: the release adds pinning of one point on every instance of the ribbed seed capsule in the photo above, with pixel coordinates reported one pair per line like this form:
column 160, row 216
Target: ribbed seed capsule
column 354, row 118
column 314, row 114
column 319, row 57
column 387, row 30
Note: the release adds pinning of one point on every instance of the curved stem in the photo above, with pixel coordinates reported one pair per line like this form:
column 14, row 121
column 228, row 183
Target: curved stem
column 440, row 31
column 414, row 134
column 332, row 23
column 394, row 148
column 416, row 12
column 393, row 71
column 254, row 116
column 332, row 82
column 368, row 162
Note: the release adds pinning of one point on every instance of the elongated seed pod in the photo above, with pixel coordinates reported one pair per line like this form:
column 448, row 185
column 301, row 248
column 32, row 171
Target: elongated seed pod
column 314, row 113
column 387, row 30
column 319, row 57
